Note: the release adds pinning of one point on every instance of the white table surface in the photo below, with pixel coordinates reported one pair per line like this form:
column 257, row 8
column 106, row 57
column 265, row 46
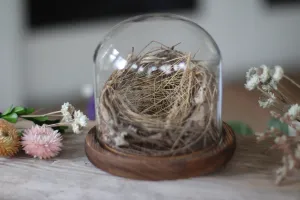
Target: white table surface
column 249, row 175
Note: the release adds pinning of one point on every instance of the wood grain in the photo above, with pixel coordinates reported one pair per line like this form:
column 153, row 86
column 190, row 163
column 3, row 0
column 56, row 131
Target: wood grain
column 248, row 176
column 160, row 168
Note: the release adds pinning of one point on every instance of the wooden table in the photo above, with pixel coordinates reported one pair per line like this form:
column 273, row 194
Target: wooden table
column 72, row 176
column 249, row 175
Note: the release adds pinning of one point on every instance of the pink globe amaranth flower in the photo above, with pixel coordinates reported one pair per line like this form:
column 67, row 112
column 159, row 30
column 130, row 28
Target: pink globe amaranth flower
column 42, row 142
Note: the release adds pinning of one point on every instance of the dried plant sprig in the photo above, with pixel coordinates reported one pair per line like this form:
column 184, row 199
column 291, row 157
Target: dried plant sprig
column 71, row 117
column 59, row 120
column 43, row 140
column 275, row 96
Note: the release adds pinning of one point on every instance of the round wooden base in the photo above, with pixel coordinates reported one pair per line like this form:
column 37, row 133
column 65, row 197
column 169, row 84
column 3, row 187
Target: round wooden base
column 161, row 168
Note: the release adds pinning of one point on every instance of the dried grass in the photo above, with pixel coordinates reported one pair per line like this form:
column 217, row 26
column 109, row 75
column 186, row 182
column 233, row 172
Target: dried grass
column 159, row 114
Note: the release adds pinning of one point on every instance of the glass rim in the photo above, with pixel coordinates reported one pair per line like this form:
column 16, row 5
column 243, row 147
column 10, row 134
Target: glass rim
column 152, row 16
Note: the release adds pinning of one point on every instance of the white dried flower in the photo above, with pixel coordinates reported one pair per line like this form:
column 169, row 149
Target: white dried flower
column 280, row 139
column 80, row 118
column 278, row 73
column 80, row 121
column 252, row 71
column 76, row 118
column 76, row 128
column 120, row 139
column 252, row 83
column 294, row 111
column 255, row 75
column 67, row 118
column 269, row 102
column 67, row 107
column 266, row 87
column 264, row 76
column 67, row 111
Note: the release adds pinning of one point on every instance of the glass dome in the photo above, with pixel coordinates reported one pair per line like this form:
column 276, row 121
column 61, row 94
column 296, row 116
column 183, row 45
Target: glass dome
column 158, row 86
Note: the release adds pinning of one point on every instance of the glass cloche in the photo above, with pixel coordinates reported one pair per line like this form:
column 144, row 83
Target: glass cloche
column 158, row 86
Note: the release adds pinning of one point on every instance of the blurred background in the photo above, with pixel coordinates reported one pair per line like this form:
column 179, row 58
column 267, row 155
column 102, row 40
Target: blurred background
column 46, row 47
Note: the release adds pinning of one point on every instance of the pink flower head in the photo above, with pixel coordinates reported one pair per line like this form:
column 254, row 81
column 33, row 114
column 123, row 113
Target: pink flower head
column 42, row 142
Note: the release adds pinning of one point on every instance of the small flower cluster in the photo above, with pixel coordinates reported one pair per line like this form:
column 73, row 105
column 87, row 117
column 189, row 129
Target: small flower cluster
column 267, row 81
column 43, row 140
column 167, row 69
column 75, row 117
column 263, row 77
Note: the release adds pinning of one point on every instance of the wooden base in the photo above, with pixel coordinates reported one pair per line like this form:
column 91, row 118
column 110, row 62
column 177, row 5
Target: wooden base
column 161, row 168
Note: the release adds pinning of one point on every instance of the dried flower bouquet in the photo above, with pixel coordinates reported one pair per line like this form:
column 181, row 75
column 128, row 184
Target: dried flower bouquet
column 276, row 97
column 43, row 140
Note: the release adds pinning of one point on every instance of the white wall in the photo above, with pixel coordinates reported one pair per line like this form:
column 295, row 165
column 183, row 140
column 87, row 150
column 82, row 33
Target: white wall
column 247, row 32
column 11, row 57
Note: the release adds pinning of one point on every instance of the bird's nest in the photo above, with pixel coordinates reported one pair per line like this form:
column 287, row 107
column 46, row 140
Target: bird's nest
column 162, row 103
